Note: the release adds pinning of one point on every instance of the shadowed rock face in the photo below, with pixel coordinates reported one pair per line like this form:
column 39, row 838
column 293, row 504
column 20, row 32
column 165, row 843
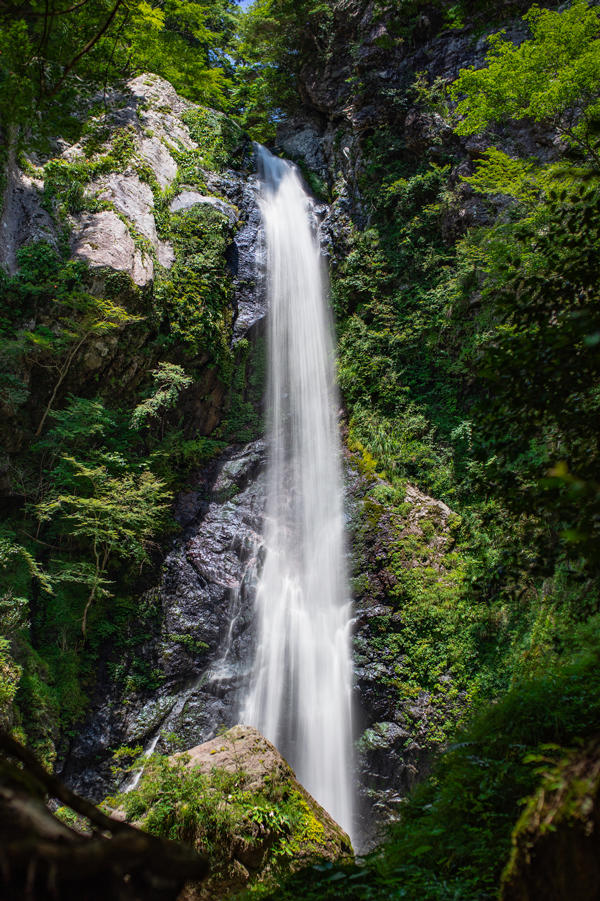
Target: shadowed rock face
column 23, row 218
column 201, row 652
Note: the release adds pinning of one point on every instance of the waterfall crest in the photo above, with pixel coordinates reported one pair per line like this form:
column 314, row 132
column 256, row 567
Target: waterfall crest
column 300, row 694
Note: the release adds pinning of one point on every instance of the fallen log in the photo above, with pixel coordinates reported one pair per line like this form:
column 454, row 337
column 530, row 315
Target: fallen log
column 42, row 858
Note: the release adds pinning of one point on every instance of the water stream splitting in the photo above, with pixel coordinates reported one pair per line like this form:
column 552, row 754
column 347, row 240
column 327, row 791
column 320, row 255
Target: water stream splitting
column 300, row 693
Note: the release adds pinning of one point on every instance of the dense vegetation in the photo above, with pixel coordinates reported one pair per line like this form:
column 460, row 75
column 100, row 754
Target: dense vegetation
column 467, row 311
column 468, row 362
column 265, row 822
column 476, row 374
column 454, row 837
column 92, row 383
column 44, row 45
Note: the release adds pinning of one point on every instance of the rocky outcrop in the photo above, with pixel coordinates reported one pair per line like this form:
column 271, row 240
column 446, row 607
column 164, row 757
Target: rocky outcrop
column 122, row 235
column 398, row 732
column 348, row 95
column 243, row 749
column 22, row 217
column 269, row 826
column 200, row 649
column 104, row 241
column 105, row 194
column 188, row 198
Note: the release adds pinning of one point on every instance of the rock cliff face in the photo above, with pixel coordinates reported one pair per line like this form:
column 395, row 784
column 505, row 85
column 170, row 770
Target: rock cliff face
column 366, row 77
column 397, row 731
column 187, row 679
column 184, row 681
column 125, row 199
column 200, row 649
column 364, row 81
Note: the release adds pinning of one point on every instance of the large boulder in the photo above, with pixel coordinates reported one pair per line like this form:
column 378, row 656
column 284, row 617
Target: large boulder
column 242, row 804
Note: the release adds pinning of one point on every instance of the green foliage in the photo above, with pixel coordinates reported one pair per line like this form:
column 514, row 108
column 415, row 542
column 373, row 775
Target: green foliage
column 195, row 294
column 539, row 370
column 467, row 361
column 65, row 180
column 169, row 381
column 216, row 811
column 44, row 50
column 551, row 78
column 467, row 831
column 114, row 513
column 221, row 142
column 453, row 838
column 37, row 704
column 10, row 674
column 243, row 419
column 498, row 173
column 188, row 43
column 468, row 366
column 275, row 38
column 180, row 803
column 66, row 317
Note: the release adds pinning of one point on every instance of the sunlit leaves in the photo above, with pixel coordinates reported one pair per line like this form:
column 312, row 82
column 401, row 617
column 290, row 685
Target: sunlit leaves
column 169, row 381
column 114, row 514
column 552, row 78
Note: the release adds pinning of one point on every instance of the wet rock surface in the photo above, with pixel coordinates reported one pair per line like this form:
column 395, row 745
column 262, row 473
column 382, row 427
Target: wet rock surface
column 246, row 255
column 201, row 650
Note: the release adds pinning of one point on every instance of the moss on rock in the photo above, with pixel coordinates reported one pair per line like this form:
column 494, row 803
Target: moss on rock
column 238, row 800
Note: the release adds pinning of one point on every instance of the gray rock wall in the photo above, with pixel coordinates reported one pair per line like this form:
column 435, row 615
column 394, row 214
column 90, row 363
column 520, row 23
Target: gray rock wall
column 201, row 648
column 185, row 679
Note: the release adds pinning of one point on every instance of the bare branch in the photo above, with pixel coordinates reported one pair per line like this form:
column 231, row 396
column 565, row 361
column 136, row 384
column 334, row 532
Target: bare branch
column 91, row 43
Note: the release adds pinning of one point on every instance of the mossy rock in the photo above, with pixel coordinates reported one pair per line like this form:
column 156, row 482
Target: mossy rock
column 236, row 799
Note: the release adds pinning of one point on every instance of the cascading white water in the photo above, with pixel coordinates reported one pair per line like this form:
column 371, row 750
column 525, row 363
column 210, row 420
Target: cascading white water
column 300, row 697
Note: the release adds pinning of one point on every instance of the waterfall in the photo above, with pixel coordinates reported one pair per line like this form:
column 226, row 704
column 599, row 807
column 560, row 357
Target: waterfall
column 300, row 694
